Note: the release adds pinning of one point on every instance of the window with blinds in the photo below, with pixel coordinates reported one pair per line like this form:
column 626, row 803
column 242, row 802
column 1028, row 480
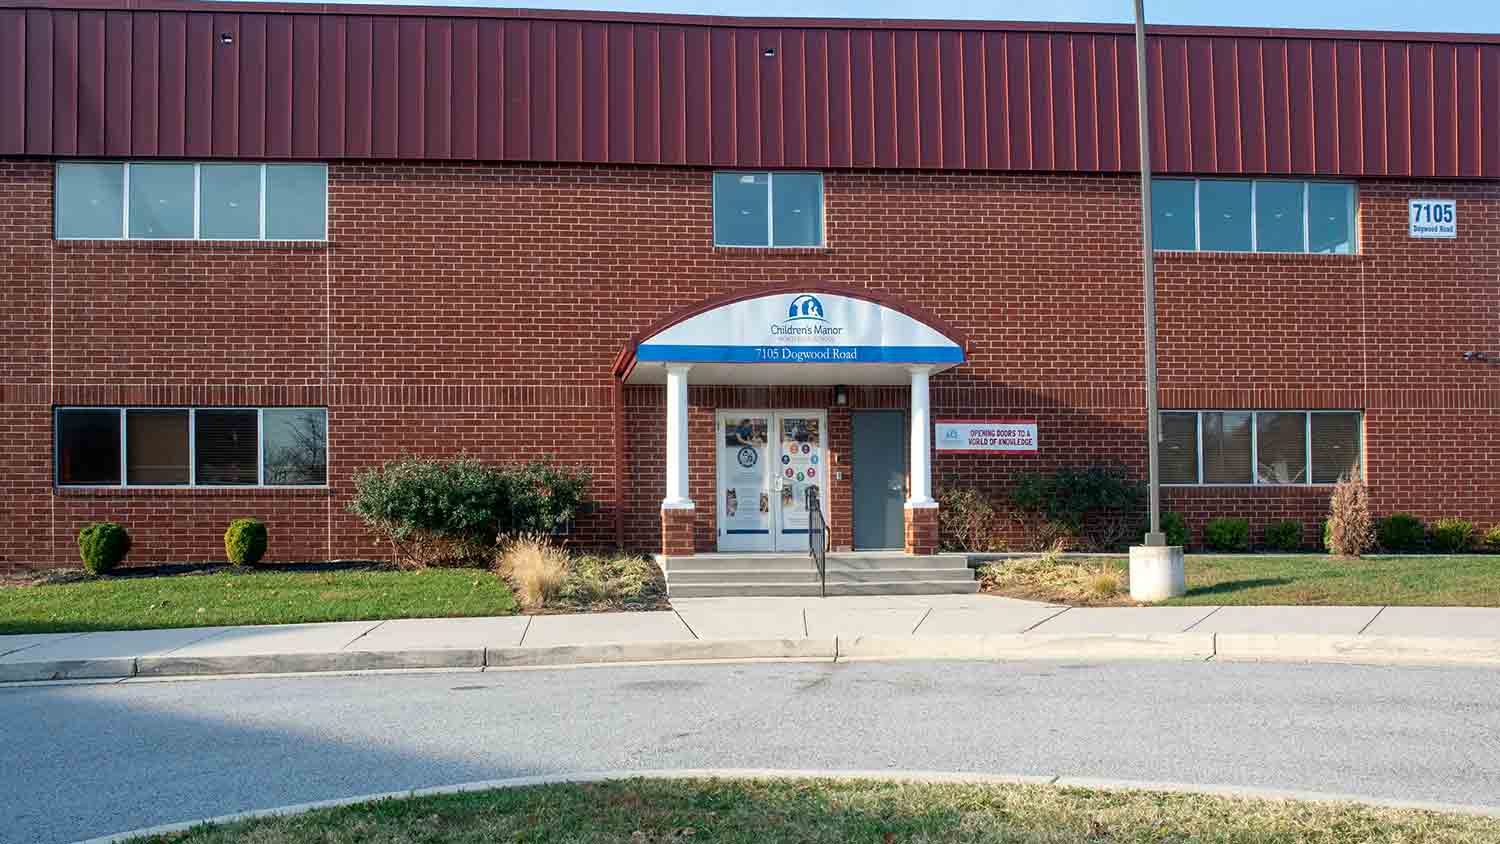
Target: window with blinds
column 189, row 446
column 1260, row 447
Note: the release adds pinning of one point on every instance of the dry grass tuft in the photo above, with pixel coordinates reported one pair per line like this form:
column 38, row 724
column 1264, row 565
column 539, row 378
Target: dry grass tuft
column 535, row 568
column 1052, row 577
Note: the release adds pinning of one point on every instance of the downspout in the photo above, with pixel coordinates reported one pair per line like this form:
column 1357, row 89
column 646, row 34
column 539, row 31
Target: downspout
column 624, row 363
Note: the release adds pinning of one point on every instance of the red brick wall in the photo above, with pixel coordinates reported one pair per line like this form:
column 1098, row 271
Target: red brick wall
column 477, row 308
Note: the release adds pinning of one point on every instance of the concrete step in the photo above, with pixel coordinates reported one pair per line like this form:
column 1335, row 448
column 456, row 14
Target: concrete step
column 738, row 562
column 895, row 562
column 702, row 576
column 897, row 575
column 904, row 587
column 744, row 590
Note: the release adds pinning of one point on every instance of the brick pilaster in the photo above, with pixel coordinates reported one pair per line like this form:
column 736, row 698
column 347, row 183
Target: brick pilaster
column 921, row 530
column 677, row 532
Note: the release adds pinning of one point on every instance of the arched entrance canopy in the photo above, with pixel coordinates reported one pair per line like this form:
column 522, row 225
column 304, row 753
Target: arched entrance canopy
column 795, row 334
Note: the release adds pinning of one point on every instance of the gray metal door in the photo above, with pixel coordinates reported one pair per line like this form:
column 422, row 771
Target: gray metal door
column 878, row 460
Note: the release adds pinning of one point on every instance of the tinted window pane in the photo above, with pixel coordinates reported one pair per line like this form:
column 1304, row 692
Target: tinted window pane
column 740, row 209
column 296, row 201
column 88, row 446
column 797, row 212
column 1330, row 217
column 90, row 201
column 1224, row 215
column 296, row 443
column 1335, row 447
column 1172, row 214
column 225, row 447
column 156, row 446
column 161, row 200
column 1278, row 216
column 229, row 201
column 1178, row 456
column 1226, row 448
column 1281, row 448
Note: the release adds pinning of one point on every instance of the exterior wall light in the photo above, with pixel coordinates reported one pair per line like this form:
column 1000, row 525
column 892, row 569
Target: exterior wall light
column 769, row 52
column 841, row 395
column 226, row 38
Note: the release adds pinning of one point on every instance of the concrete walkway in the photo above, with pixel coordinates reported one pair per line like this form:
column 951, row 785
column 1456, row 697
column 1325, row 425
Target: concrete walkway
column 915, row 627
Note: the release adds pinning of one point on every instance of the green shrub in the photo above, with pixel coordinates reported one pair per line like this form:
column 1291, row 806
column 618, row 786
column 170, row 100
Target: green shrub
column 245, row 541
column 1453, row 536
column 1283, row 536
column 1100, row 504
column 103, row 545
column 966, row 519
column 1327, row 533
column 452, row 511
column 1401, row 532
column 1492, row 539
column 1176, row 529
column 1227, row 534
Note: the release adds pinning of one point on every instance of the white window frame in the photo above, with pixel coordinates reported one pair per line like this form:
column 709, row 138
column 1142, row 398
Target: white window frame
column 1307, row 184
column 1255, row 480
column 771, row 209
column 198, row 202
column 192, row 411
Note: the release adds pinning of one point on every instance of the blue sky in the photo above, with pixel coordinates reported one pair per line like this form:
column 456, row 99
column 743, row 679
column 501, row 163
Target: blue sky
column 1419, row 15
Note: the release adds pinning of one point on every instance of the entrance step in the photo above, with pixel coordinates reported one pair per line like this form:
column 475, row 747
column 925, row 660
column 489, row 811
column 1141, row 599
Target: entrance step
column 794, row 575
column 905, row 587
column 744, row 590
column 841, row 575
column 703, row 576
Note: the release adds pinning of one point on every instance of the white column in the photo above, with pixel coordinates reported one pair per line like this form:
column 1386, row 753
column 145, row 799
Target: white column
column 921, row 441
column 677, row 439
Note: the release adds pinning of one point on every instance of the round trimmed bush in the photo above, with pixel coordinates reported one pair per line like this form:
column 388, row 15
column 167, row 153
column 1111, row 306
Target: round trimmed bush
column 103, row 545
column 1284, row 536
column 245, row 541
column 1175, row 527
column 1227, row 534
column 1401, row 532
column 1453, row 536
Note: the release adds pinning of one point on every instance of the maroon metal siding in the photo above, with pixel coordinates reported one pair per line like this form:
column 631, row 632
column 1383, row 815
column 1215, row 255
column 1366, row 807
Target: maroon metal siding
column 91, row 79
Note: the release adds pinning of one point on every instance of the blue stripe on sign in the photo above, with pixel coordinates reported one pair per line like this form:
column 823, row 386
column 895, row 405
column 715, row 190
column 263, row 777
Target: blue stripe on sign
column 746, row 531
column 785, row 530
column 799, row 354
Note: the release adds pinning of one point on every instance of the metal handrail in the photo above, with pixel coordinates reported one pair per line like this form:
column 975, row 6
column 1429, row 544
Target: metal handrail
column 817, row 539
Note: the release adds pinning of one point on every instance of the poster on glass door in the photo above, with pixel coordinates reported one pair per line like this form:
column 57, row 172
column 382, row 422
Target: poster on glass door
column 801, row 469
column 745, row 504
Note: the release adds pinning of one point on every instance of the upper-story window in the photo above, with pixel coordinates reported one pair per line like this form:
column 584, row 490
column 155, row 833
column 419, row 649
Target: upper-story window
column 1260, row 215
column 148, row 200
column 768, row 209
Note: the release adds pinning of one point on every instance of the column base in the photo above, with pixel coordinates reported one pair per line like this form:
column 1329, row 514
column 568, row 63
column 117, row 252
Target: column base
column 1156, row 572
column 677, row 530
column 921, row 528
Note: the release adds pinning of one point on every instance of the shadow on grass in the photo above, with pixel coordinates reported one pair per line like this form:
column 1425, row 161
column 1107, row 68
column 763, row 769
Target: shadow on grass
column 1230, row 586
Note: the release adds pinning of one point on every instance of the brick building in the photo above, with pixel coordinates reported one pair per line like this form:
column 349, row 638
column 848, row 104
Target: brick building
column 248, row 250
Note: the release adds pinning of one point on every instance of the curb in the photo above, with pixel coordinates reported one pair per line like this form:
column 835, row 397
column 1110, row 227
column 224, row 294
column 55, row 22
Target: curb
column 918, row 777
column 1227, row 647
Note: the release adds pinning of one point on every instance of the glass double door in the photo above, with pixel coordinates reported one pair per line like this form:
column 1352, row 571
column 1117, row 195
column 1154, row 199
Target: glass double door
column 768, row 461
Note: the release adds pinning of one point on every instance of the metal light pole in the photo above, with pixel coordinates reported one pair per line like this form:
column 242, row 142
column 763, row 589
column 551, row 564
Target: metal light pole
column 1154, row 535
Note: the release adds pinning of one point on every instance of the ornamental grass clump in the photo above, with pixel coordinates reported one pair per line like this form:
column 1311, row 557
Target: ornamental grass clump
column 1350, row 531
column 535, row 568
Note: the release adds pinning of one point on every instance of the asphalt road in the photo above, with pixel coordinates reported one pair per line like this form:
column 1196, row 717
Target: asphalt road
column 79, row 761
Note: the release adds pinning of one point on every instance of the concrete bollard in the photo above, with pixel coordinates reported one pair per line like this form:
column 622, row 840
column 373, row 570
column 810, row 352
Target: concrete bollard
column 1156, row 572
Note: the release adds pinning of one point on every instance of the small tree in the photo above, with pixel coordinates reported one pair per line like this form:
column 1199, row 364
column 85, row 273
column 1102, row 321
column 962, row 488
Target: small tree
column 1350, row 530
column 966, row 519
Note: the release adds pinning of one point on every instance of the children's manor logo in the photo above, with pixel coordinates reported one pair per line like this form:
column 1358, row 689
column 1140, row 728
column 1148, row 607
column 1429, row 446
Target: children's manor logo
column 805, row 318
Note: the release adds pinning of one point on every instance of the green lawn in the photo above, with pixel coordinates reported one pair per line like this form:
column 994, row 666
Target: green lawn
column 824, row 812
column 251, row 597
column 1466, row 581
column 1290, row 579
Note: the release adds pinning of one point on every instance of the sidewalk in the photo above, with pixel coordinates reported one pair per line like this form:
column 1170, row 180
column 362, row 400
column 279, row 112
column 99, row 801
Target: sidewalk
column 832, row 629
